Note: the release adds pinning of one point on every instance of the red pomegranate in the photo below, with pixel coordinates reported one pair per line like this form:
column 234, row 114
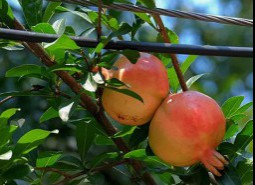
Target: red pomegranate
column 148, row 78
column 186, row 129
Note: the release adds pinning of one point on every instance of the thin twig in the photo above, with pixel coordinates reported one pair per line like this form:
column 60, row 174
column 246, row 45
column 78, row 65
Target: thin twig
column 175, row 62
column 6, row 99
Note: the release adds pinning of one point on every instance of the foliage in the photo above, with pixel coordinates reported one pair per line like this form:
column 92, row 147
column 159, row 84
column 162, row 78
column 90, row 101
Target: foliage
column 27, row 152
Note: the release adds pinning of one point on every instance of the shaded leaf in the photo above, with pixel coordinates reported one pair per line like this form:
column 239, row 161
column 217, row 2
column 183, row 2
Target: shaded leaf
column 99, row 159
column 139, row 135
column 132, row 55
column 10, row 45
column 232, row 130
column 128, row 130
column 6, row 14
column 17, row 172
column 32, row 10
column 47, row 159
column 85, row 135
column 245, row 171
column 244, row 138
column 49, row 114
column 229, row 177
column 25, row 70
column 127, row 92
column 50, row 10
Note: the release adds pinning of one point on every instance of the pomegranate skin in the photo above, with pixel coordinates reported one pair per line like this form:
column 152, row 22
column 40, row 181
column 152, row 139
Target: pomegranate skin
column 186, row 129
column 148, row 78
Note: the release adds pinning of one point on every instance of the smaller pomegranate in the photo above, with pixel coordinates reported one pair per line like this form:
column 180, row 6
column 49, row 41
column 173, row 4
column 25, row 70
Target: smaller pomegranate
column 148, row 78
column 186, row 129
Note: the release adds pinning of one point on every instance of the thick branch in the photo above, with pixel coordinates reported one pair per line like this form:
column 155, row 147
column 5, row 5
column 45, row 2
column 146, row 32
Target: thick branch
column 175, row 62
column 90, row 105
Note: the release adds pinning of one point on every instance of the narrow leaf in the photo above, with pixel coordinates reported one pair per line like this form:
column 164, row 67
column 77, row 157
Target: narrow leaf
column 49, row 114
column 31, row 140
column 244, row 138
column 85, row 135
column 50, row 10
column 32, row 10
column 47, row 159
column 232, row 105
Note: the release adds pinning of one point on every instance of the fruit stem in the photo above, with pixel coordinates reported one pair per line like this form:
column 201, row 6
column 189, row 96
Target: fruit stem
column 174, row 58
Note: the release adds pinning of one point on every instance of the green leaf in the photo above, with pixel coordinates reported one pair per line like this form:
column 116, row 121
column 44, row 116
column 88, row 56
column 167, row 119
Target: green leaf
column 59, row 26
column 26, row 70
column 145, row 17
column 68, row 162
column 123, row 30
column 64, row 42
column 201, row 177
column 8, row 113
column 114, row 82
column 17, row 172
column 132, row 55
column 229, row 149
column 49, row 114
column 50, row 10
column 46, row 159
column 238, row 117
column 166, row 177
column 32, row 10
column 128, row 130
column 148, row 3
column 229, row 177
column 127, row 92
column 31, row 140
column 85, row 135
column 244, row 138
column 66, row 67
column 27, row 93
column 99, row 159
column 136, row 154
column 6, row 14
column 193, row 79
column 232, row 130
column 174, row 82
column 44, row 28
column 61, row 9
column 10, row 45
column 244, row 108
column 245, row 171
column 103, row 140
column 172, row 36
column 232, row 105
column 139, row 135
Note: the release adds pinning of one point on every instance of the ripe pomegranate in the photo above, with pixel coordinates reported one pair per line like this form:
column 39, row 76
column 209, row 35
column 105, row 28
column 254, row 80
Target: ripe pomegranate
column 186, row 129
column 148, row 78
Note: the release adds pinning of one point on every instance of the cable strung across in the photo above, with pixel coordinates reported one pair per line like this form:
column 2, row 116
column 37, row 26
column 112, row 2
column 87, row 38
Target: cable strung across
column 170, row 13
column 228, row 51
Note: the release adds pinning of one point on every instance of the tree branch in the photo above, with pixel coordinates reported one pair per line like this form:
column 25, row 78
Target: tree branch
column 90, row 105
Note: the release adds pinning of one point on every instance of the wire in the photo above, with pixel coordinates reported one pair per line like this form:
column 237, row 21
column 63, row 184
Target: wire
column 171, row 13
column 227, row 51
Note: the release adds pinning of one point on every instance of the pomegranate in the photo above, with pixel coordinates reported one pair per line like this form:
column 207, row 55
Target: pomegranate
column 148, row 78
column 186, row 129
